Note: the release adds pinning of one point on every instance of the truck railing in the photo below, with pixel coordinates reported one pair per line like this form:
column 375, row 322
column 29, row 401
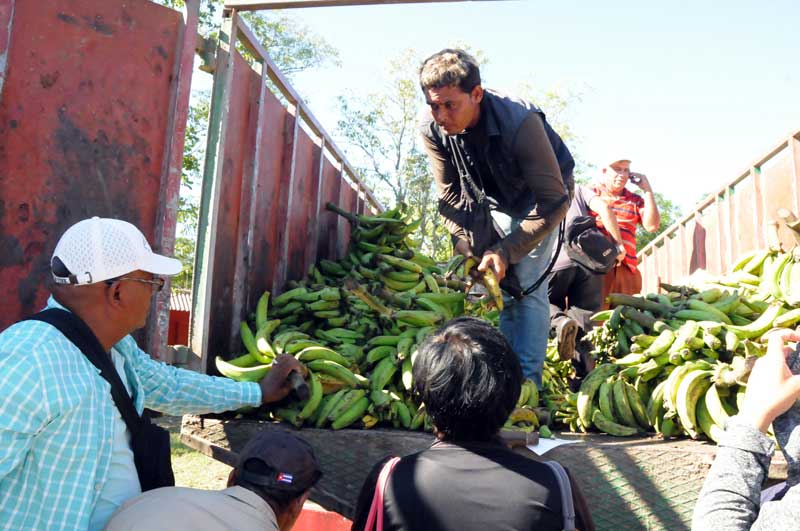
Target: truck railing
column 270, row 168
column 729, row 222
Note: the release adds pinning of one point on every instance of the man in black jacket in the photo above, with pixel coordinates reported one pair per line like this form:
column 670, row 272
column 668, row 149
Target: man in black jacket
column 504, row 179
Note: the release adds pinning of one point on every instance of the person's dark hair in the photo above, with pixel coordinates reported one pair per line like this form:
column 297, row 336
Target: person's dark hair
column 469, row 379
column 450, row 67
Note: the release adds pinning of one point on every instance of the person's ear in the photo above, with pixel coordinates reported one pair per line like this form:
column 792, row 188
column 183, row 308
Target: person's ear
column 477, row 94
column 113, row 294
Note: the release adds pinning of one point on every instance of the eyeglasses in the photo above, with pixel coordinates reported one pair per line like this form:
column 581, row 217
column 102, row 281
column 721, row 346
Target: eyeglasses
column 157, row 283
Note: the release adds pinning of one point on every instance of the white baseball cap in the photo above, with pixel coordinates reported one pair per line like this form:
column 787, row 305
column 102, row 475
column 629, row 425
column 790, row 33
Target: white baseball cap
column 608, row 162
column 98, row 249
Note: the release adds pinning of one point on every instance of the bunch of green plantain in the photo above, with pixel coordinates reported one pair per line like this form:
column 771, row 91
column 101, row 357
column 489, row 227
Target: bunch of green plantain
column 356, row 324
column 677, row 362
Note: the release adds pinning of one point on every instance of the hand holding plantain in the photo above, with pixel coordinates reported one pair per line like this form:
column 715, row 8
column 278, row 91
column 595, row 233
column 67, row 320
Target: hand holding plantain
column 275, row 385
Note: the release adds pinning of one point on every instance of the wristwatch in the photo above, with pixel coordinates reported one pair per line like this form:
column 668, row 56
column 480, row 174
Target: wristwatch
column 621, row 248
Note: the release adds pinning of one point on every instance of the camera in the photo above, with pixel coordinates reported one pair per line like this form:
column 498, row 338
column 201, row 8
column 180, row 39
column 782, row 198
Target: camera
column 635, row 178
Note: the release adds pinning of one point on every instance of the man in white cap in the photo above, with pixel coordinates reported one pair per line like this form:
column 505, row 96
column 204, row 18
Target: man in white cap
column 630, row 209
column 66, row 460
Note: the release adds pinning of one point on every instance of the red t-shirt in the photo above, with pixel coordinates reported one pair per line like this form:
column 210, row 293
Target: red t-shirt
column 628, row 209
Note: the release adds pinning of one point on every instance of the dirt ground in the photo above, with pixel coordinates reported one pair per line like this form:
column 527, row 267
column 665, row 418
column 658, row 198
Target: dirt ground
column 192, row 469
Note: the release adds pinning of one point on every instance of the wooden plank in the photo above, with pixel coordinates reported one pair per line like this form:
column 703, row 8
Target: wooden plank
column 329, row 221
column 271, row 212
column 290, row 131
column 312, row 236
column 244, row 156
column 277, row 77
column 721, row 238
column 250, row 5
column 209, row 198
column 302, row 204
column 794, row 150
column 758, row 207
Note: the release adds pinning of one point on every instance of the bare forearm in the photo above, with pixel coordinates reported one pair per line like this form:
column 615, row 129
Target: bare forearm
column 651, row 219
column 608, row 218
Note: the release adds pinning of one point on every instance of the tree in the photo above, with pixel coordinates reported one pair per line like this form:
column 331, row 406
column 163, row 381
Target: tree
column 380, row 135
column 670, row 213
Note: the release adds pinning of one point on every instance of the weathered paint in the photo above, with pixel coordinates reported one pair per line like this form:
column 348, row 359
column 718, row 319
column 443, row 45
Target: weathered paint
column 268, row 175
column 85, row 111
column 167, row 217
column 730, row 222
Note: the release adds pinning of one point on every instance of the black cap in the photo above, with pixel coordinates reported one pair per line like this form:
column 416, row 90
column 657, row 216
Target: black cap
column 279, row 460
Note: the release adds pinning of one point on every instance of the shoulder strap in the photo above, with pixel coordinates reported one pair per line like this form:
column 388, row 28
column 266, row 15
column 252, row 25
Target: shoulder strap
column 566, row 494
column 82, row 337
column 375, row 518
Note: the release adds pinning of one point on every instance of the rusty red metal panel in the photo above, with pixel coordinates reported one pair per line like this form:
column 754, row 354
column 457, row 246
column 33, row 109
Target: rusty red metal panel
column 84, row 122
column 237, row 133
column 6, row 19
column 304, row 202
column 328, row 221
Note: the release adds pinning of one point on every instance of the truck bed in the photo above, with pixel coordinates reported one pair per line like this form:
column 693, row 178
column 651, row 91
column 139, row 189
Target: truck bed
column 629, row 483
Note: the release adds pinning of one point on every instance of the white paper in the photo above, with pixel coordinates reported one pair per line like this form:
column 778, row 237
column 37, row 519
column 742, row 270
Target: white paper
column 545, row 445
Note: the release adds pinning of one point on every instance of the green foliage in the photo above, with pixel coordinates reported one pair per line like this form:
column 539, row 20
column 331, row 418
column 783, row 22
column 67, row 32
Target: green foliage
column 380, row 133
column 670, row 213
column 184, row 251
column 557, row 103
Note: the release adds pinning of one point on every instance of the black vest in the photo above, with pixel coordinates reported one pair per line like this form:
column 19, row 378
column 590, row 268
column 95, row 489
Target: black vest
column 502, row 116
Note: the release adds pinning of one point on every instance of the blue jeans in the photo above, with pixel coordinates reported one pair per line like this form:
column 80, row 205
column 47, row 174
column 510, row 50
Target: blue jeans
column 526, row 322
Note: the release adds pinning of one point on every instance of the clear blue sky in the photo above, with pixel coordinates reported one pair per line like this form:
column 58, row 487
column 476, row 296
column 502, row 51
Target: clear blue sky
column 693, row 92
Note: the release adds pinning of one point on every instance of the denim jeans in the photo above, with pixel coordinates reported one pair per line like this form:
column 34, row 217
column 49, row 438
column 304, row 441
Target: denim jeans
column 526, row 322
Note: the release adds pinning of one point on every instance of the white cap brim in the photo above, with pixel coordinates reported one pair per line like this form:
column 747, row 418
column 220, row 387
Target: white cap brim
column 161, row 265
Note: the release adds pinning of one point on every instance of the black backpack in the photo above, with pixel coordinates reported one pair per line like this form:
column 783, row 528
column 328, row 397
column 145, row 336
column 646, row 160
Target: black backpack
column 589, row 246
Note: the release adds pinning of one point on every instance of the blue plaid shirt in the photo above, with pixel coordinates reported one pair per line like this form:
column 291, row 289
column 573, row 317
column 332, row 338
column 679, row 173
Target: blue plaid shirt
column 56, row 420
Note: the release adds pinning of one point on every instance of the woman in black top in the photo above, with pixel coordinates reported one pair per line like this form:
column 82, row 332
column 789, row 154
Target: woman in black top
column 469, row 379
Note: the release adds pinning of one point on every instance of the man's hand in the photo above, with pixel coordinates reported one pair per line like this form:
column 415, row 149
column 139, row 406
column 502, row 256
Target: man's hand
column 462, row 247
column 643, row 183
column 621, row 254
column 275, row 385
column 772, row 388
column 496, row 261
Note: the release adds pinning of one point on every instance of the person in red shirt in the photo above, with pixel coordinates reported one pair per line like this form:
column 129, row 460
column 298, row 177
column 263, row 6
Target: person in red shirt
column 630, row 209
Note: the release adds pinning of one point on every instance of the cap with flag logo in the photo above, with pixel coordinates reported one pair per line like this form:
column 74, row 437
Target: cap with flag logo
column 277, row 459
column 98, row 249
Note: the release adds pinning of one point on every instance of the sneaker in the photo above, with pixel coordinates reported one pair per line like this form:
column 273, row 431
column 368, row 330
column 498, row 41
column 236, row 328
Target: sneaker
column 566, row 334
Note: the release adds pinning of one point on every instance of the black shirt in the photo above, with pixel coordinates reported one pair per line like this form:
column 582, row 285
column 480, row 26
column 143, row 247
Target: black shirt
column 472, row 486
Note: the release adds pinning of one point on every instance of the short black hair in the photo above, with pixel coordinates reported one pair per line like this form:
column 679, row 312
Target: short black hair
column 469, row 378
column 450, row 67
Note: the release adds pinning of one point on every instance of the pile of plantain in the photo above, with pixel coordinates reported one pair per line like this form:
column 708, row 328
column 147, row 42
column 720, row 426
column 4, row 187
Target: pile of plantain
column 356, row 324
column 678, row 362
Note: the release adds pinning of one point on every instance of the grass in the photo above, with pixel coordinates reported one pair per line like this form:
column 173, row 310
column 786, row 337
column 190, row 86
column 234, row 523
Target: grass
column 191, row 468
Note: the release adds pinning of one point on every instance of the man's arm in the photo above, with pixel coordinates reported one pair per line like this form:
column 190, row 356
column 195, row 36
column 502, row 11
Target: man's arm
column 540, row 172
column 731, row 493
column 651, row 219
column 23, row 409
column 599, row 205
column 448, row 187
